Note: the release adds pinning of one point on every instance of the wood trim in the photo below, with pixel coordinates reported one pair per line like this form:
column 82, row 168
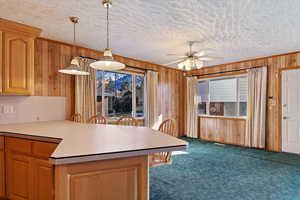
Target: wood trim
column 289, row 68
column 133, row 72
column 198, row 71
column 222, row 75
column 223, row 118
column 10, row 26
column 222, row 142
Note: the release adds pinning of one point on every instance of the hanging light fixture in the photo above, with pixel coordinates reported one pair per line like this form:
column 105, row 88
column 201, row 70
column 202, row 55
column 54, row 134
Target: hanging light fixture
column 74, row 68
column 107, row 62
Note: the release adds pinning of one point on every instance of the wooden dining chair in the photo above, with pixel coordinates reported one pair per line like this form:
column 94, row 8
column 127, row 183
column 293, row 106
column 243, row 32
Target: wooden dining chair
column 97, row 119
column 168, row 127
column 76, row 118
column 127, row 121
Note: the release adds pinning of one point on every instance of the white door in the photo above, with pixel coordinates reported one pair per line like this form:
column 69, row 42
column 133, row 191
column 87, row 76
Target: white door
column 291, row 111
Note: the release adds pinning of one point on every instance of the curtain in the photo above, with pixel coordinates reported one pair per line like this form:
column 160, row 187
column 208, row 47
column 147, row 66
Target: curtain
column 192, row 107
column 85, row 91
column 151, row 107
column 257, row 105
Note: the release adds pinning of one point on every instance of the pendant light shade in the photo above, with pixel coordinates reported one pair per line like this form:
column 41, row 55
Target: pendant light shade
column 107, row 63
column 74, row 68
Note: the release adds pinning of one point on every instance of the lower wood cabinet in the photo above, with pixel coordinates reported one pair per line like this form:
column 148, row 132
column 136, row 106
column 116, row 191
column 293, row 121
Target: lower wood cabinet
column 19, row 176
column 43, row 180
column 2, row 168
column 116, row 179
column 28, row 176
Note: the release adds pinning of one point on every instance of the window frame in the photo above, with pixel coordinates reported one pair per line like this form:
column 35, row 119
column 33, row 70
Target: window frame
column 133, row 112
column 238, row 96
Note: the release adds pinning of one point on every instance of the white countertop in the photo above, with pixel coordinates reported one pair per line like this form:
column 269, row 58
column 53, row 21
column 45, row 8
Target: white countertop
column 90, row 142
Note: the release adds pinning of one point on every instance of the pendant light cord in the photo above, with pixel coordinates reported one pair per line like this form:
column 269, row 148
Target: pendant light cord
column 107, row 26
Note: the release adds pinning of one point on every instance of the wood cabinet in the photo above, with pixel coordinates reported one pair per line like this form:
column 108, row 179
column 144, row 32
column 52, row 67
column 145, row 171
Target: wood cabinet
column 117, row 179
column 18, row 64
column 29, row 175
column 2, row 168
column 19, row 173
column 17, row 58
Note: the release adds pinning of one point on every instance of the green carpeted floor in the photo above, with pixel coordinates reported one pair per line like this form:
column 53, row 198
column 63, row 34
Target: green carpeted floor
column 210, row 172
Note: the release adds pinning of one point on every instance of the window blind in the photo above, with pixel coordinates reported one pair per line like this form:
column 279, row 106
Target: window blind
column 243, row 89
column 224, row 90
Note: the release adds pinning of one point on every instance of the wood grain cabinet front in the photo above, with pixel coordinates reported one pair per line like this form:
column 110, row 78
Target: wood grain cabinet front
column 29, row 175
column 19, row 173
column 17, row 58
column 2, row 168
column 18, row 64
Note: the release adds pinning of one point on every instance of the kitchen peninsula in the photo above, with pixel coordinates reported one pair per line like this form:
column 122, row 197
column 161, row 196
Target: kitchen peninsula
column 63, row 160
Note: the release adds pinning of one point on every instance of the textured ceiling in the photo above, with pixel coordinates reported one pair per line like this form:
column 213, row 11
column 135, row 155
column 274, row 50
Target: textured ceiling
column 150, row 29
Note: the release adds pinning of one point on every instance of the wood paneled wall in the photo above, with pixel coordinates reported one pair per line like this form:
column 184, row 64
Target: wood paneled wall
column 274, row 63
column 223, row 130
column 52, row 55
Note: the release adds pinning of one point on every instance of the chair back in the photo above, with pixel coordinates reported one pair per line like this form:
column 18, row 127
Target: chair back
column 127, row 121
column 97, row 119
column 168, row 127
column 76, row 118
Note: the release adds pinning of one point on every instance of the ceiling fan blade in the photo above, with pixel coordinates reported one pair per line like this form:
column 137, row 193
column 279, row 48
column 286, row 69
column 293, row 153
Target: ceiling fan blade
column 200, row 53
column 174, row 62
column 176, row 55
column 208, row 58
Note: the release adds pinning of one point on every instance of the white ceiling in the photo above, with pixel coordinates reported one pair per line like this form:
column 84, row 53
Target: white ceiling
column 150, row 29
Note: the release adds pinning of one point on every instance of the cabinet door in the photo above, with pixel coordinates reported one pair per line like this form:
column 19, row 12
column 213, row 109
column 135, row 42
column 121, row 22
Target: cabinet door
column 19, row 173
column 43, row 183
column 18, row 69
column 2, row 174
column 1, row 59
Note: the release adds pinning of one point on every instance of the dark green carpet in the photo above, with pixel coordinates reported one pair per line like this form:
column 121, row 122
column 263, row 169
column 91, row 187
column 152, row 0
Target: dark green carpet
column 212, row 172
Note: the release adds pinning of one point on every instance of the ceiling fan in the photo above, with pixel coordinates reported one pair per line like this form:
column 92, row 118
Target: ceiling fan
column 192, row 59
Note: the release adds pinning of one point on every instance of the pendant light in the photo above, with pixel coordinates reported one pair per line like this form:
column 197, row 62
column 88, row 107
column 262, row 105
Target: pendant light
column 107, row 62
column 74, row 68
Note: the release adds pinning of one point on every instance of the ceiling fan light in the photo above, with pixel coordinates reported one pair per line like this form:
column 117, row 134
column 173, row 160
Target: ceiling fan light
column 188, row 68
column 181, row 65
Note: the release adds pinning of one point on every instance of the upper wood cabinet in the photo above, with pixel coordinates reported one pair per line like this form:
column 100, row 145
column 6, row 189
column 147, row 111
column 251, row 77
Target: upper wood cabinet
column 17, row 46
column 18, row 67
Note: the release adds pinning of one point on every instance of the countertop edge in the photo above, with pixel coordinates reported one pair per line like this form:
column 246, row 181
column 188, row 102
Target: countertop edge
column 115, row 155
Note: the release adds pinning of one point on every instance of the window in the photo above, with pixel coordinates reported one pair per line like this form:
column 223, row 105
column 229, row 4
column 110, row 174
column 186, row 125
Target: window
column 120, row 94
column 223, row 97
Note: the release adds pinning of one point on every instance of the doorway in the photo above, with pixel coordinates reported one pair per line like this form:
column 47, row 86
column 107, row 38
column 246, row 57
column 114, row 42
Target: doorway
column 290, row 96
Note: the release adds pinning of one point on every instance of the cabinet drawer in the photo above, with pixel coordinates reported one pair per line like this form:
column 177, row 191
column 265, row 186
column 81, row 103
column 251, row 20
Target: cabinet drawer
column 1, row 142
column 43, row 149
column 18, row 145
